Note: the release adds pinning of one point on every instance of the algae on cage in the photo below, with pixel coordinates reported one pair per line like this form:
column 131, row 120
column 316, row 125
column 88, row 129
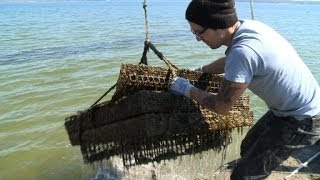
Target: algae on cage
column 144, row 123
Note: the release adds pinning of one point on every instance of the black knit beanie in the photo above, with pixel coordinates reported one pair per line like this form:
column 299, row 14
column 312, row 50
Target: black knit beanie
column 215, row 14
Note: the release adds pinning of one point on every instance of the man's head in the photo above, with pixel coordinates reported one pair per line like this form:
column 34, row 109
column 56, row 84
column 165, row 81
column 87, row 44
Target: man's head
column 214, row 14
column 211, row 15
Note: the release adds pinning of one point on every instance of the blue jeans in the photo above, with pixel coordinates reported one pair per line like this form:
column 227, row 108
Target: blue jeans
column 271, row 141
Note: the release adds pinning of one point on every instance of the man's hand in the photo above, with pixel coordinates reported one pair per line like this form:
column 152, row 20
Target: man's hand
column 215, row 67
column 180, row 86
column 198, row 69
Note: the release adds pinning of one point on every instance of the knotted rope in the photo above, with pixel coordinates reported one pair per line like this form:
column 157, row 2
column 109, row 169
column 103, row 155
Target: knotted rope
column 144, row 60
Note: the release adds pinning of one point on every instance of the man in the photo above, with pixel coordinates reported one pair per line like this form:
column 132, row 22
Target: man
column 260, row 59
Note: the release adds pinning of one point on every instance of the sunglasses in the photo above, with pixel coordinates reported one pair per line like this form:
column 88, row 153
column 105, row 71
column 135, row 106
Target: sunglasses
column 197, row 33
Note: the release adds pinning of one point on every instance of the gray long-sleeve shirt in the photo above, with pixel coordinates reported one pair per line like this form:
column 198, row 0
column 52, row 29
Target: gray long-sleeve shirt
column 275, row 72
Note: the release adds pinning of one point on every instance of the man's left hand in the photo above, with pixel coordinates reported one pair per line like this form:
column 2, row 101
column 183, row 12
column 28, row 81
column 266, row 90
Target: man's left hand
column 180, row 86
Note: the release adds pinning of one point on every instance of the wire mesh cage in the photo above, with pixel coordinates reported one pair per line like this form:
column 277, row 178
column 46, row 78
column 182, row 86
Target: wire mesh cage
column 144, row 123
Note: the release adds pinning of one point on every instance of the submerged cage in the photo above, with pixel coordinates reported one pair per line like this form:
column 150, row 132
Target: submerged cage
column 144, row 123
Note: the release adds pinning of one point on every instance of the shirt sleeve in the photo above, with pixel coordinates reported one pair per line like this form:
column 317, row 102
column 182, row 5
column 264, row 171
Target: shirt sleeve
column 240, row 65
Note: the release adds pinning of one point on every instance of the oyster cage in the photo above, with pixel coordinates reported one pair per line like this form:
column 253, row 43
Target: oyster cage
column 143, row 123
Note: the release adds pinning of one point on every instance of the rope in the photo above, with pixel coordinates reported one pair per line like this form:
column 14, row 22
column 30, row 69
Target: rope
column 251, row 8
column 104, row 95
column 144, row 59
column 146, row 19
column 305, row 164
column 148, row 44
column 171, row 66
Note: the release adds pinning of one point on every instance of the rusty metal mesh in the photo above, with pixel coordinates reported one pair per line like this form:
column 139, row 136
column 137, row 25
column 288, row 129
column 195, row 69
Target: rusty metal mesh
column 144, row 123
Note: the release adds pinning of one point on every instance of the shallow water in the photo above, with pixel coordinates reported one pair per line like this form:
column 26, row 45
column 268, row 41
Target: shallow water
column 59, row 57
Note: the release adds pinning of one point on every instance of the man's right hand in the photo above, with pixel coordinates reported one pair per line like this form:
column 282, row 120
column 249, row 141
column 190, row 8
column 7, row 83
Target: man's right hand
column 198, row 69
column 180, row 86
column 215, row 67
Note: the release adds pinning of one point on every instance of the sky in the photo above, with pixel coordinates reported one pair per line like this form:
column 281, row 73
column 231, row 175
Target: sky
column 281, row 0
column 159, row 0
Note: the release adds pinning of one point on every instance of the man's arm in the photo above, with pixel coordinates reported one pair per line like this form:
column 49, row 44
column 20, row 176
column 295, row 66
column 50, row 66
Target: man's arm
column 222, row 101
column 216, row 67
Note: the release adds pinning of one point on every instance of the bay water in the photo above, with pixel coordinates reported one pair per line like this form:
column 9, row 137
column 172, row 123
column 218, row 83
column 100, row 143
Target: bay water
column 57, row 57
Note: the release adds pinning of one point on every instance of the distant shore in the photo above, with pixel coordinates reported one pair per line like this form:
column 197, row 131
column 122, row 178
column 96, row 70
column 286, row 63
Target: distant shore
column 254, row 1
column 281, row 1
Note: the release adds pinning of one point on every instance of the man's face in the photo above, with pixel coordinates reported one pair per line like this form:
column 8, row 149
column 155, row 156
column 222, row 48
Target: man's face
column 213, row 38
